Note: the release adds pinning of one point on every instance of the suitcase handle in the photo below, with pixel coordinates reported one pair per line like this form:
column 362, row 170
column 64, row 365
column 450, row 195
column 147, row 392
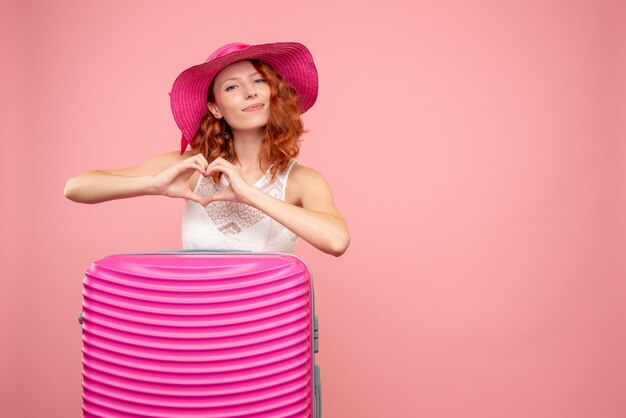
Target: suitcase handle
column 318, row 392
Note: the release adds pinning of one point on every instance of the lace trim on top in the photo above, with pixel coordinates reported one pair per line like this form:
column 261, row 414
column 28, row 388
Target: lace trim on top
column 234, row 217
column 234, row 225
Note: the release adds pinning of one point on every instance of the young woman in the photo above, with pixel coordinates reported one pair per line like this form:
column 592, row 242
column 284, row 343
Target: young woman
column 240, row 112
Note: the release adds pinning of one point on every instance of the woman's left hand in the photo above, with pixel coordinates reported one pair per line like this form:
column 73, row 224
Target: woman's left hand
column 238, row 189
column 317, row 220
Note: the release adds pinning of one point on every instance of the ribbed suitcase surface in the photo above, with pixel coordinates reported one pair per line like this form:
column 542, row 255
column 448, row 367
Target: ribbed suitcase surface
column 198, row 335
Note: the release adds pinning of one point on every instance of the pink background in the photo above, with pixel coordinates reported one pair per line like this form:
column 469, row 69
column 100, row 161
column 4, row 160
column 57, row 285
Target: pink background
column 476, row 148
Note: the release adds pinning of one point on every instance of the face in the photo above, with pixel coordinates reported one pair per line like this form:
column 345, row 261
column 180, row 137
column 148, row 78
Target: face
column 241, row 97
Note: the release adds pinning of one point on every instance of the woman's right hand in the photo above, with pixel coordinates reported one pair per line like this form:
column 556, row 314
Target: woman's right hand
column 167, row 174
column 174, row 182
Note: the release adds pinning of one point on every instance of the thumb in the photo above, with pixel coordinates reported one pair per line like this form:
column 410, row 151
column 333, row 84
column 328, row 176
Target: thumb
column 217, row 197
column 196, row 198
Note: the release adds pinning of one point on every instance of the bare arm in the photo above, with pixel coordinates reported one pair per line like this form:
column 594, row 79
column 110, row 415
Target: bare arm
column 317, row 220
column 168, row 174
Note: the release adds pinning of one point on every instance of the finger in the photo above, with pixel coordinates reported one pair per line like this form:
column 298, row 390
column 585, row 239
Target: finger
column 216, row 198
column 222, row 162
column 198, row 159
column 215, row 162
column 193, row 166
column 222, row 169
column 227, row 194
column 196, row 198
column 202, row 159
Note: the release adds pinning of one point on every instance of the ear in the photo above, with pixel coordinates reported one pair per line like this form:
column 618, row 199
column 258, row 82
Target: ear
column 214, row 110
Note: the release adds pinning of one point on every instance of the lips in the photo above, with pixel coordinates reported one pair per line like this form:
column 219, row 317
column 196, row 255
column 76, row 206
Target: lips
column 253, row 107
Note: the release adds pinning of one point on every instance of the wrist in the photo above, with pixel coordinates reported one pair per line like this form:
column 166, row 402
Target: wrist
column 252, row 196
column 150, row 186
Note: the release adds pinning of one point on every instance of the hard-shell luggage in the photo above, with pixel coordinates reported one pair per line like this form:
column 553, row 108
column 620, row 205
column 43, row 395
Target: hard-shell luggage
column 199, row 334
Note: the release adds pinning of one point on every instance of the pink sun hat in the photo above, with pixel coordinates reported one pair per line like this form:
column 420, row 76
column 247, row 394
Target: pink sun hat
column 188, row 97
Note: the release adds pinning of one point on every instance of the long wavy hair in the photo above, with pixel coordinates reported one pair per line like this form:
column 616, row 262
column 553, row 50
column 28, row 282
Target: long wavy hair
column 281, row 141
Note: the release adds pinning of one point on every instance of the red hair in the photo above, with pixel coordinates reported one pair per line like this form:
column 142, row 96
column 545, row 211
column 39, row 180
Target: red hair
column 284, row 128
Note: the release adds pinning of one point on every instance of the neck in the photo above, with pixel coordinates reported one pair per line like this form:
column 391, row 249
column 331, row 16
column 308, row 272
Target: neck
column 248, row 147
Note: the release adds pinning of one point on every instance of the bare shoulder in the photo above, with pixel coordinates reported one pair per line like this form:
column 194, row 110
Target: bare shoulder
column 303, row 175
column 152, row 166
column 307, row 185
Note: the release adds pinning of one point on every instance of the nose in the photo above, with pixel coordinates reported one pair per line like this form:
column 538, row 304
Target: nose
column 250, row 91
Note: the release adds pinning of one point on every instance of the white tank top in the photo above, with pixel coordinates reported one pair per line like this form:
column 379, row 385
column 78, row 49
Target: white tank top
column 236, row 226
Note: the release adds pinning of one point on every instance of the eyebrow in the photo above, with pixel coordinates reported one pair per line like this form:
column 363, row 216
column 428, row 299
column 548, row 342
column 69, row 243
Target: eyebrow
column 237, row 78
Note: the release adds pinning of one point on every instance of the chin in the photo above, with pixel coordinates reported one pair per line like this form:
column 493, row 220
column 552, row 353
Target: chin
column 252, row 123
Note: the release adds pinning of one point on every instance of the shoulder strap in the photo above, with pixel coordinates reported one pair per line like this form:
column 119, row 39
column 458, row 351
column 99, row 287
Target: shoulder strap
column 283, row 177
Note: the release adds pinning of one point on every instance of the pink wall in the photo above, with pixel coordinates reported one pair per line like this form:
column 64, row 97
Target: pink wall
column 476, row 149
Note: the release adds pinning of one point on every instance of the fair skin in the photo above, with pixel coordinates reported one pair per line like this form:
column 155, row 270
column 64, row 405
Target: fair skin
column 242, row 99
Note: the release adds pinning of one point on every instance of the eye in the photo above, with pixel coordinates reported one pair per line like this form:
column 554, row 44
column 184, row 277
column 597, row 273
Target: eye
column 230, row 88
column 259, row 80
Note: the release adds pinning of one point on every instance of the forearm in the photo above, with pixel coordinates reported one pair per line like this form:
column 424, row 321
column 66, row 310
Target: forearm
column 326, row 232
column 100, row 186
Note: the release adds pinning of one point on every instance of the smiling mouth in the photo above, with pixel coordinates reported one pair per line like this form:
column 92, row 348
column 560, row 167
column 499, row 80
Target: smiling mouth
column 253, row 107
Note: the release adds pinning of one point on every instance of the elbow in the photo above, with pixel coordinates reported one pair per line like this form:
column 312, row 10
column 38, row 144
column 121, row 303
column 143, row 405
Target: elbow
column 71, row 191
column 339, row 245
column 68, row 192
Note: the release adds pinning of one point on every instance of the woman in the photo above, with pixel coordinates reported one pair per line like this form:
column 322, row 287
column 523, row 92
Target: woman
column 244, row 189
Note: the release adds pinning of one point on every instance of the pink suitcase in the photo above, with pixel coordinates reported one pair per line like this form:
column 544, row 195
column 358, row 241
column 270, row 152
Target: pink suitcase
column 199, row 334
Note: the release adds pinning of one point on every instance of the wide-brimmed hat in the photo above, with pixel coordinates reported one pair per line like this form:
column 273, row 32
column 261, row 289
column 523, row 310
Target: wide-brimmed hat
column 188, row 97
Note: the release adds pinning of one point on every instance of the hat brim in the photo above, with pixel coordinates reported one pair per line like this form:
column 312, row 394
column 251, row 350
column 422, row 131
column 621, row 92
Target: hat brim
column 291, row 60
